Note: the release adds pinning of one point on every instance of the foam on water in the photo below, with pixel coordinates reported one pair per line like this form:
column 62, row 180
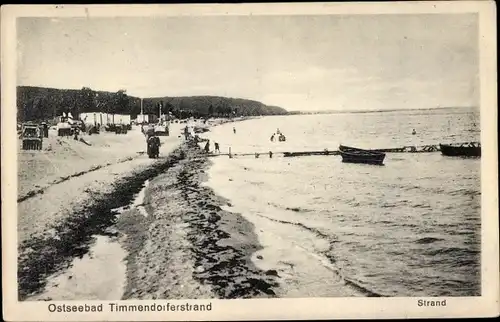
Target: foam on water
column 410, row 228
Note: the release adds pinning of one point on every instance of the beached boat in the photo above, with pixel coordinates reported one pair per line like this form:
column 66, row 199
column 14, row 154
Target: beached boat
column 469, row 149
column 356, row 155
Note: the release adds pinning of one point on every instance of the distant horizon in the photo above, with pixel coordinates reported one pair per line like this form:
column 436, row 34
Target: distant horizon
column 380, row 110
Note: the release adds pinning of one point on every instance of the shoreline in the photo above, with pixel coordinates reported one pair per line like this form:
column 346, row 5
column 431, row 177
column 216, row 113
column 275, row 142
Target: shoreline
column 53, row 234
column 195, row 249
column 277, row 238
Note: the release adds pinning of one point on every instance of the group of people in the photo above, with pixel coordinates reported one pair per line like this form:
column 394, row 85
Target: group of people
column 216, row 145
column 281, row 136
column 207, row 147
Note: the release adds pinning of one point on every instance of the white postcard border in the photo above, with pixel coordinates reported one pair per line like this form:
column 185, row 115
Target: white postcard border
column 255, row 309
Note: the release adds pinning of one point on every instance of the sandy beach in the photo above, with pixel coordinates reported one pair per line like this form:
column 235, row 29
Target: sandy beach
column 63, row 157
column 58, row 221
column 149, row 223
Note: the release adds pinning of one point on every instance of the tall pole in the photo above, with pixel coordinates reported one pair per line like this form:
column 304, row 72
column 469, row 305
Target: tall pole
column 142, row 113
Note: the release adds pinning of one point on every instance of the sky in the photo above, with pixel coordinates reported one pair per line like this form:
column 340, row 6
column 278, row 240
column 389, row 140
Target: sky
column 321, row 62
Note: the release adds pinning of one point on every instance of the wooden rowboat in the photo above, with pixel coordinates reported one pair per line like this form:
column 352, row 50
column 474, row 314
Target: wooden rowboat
column 472, row 149
column 356, row 155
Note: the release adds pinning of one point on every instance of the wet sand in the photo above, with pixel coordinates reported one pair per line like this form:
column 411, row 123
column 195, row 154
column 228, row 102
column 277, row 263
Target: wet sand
column 188, row 246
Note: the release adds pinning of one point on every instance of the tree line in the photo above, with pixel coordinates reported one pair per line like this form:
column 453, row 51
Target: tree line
column 39, row 103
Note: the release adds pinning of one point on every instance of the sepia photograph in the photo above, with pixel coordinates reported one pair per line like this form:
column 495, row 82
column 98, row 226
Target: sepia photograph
column 166, row 157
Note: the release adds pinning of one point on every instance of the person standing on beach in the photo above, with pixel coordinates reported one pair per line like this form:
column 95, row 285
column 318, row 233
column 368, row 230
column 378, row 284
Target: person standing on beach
column 207, row 147
column 45, row 130
column 272, row 138
column 217, row 147
column 234, row 130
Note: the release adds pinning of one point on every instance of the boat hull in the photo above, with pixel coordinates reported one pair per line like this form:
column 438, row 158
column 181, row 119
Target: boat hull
column 356, row 155
column 460, row 151
column 362, row 158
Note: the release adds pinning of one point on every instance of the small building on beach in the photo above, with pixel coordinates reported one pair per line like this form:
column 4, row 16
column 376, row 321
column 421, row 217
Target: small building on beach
column 146, row 118
column 94, row 118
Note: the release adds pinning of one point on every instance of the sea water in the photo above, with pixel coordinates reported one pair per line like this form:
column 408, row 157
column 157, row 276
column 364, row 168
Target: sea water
column 409, row 228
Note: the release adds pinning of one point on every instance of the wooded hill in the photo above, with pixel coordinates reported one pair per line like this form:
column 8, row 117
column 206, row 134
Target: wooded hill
column 39, row 103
